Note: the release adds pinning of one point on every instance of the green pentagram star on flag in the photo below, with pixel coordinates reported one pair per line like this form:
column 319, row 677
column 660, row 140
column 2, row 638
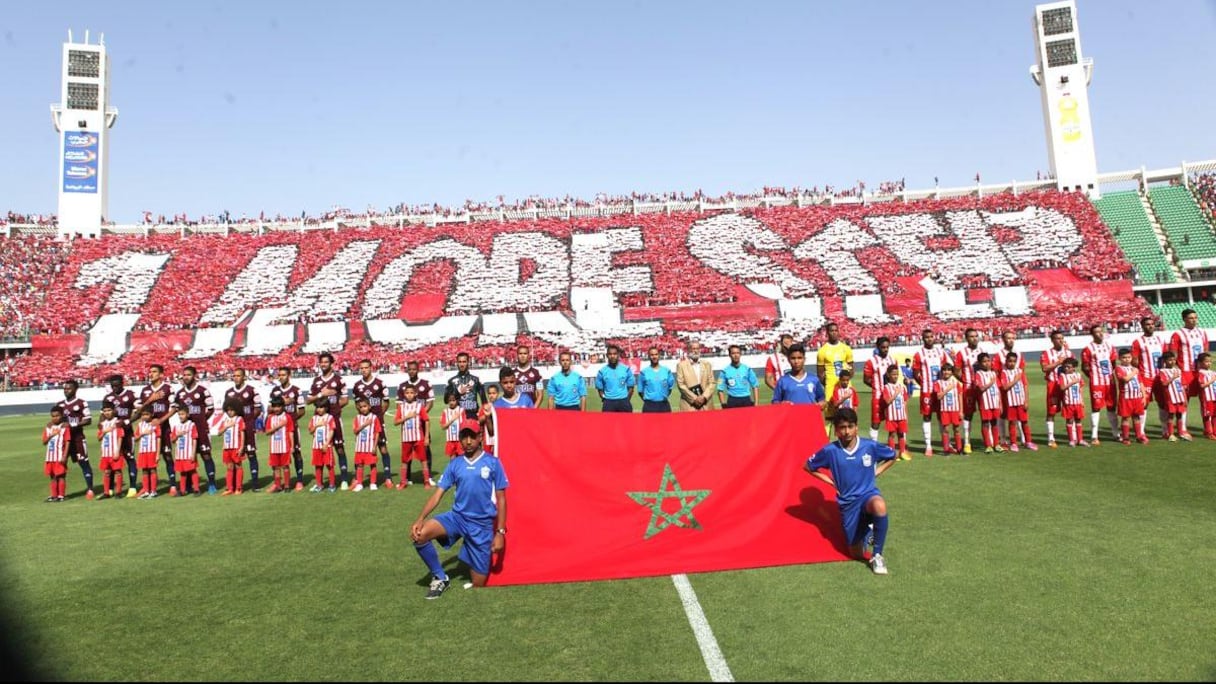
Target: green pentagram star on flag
column 669, row 488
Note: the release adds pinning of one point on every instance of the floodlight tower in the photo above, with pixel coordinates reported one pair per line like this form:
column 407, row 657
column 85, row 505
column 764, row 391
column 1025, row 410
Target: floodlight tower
column 83, row 117
column 1063, row 79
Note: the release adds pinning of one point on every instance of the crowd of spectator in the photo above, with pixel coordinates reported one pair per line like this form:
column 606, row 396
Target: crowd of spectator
column 1203, row 185
column 673, row 264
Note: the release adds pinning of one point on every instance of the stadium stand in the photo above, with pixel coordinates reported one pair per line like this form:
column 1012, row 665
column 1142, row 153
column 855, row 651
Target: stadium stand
column 1189, row 233
column 27, row 266
column 1025, row 262
column 1171, row 313
column 1124, row 213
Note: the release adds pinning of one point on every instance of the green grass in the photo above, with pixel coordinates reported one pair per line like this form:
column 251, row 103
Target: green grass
column 1063, row 564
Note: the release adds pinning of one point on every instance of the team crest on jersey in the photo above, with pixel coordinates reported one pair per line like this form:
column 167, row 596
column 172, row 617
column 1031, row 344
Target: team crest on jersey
column 485, row 472
column 865, row 460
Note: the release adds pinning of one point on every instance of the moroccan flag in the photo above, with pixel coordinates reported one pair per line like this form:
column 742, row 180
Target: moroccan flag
column 606, row 496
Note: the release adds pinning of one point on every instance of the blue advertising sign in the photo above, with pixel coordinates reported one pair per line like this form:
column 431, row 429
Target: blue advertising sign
column 79, row 161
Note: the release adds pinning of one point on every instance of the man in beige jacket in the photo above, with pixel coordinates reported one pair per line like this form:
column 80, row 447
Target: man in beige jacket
column 695, row 379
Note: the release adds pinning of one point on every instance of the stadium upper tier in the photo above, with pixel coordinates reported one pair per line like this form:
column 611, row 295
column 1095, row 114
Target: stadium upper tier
column 1189, row 232
column 1026, row 262
column 1124, row 213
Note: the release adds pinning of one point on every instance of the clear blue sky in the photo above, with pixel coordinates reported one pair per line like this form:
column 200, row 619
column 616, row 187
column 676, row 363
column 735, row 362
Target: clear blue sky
column 303, row 105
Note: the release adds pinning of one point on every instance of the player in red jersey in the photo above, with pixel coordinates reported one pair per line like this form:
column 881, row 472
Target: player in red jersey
column 895, row 409
column 76, row 414
column 1146, row 356
column 1175, row 395
column 123, row 400
column 185, row 435
column 991, row 407
column 294, row 407
column 1072, row 403
column 411, row 416
column 329, row 387
column 148, row 447
column 949, row 393
column 232, row 434
column 966, row 361
column 843, row 395
column 1051, row 362
column 200, row 408
column 366, row 425
column 246, row 397
column 1014, row 397
column 778, row 362
column 423, row 389
column 55, row 438
column 527, row 377
column 281, row 427
column 1008, row 340
column 453, row 414
column 321, row 426
column 158, row 396
column 372, row 389
column 927, row 365
column 1187, row 344
column 1098, row 363
column 1132, row 397
column 874, row 375
column 110, row 434
column 1207, row 394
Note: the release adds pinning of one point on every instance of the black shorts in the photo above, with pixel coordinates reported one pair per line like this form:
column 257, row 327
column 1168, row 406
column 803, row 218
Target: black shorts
column 617, row 406
column 738, row 402
column 656, row 406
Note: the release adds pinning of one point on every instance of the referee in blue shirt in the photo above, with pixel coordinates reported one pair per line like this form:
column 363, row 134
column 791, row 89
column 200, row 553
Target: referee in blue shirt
column 737, row 386
column 655, row 383
column 615, row 383
column 566, row 390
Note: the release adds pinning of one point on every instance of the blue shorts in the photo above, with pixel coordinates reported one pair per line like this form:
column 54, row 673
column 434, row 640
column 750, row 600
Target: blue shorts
column 855, row 520
column 478, row 539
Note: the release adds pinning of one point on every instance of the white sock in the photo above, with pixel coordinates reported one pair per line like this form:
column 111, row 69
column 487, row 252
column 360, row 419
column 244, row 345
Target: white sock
column 1116, row 429
column 874, row 434
column 1095, row 418
column 928, row 427
column 1051, row 431
column 966, row 431
column 1182, row 424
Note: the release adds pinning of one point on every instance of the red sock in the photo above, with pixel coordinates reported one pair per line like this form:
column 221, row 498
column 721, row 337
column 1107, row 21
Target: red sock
column 372, row 475
column 1125, row 428
column 426, row 473
column 54, row 487
column 1140, row 428
column 332, row 481
column 320, row 474
column 1026, row 431
column 358, row 474
column 153, row 476
column 63, row 487
column 1169, row 427
column 903, row 444
column 958, row 441
column 238, row 478
column 891, row 441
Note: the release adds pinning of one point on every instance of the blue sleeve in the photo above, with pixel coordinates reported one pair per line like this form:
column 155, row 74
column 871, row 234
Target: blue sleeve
column 751, row 377
column 819, row 393
column 599, row 379
column 582, row 386
column 445, row 480
column 880, row 452
column 500, row 476
column 671, row 381
column 821, row 459
column 722, row 381
column 529, row 402
column 630, row 380
column 550, row 387
column 779, row 391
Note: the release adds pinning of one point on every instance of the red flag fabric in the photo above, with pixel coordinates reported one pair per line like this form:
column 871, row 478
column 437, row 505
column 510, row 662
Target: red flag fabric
column 606, row 496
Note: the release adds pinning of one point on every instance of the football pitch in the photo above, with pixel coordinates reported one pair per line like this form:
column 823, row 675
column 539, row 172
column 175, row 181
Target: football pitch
column 1065, row 564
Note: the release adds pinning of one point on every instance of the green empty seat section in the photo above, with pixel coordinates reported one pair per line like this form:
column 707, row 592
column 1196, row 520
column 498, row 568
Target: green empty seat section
column 1171, row 314
column 1124, row 213
column 1189, row 232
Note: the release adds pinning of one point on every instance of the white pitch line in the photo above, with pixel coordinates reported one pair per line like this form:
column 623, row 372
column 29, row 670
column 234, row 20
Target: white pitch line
column 719, row 671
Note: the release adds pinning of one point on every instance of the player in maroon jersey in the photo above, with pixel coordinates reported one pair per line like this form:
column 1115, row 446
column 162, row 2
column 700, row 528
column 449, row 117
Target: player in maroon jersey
column 199, row 408
column 294, row 407
column 329, row 387
column 246, row 397
column 76, row 415
column 124, row 401
column 528, row 379
column 372, row 388
column 157, row 396
column 423, row 392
